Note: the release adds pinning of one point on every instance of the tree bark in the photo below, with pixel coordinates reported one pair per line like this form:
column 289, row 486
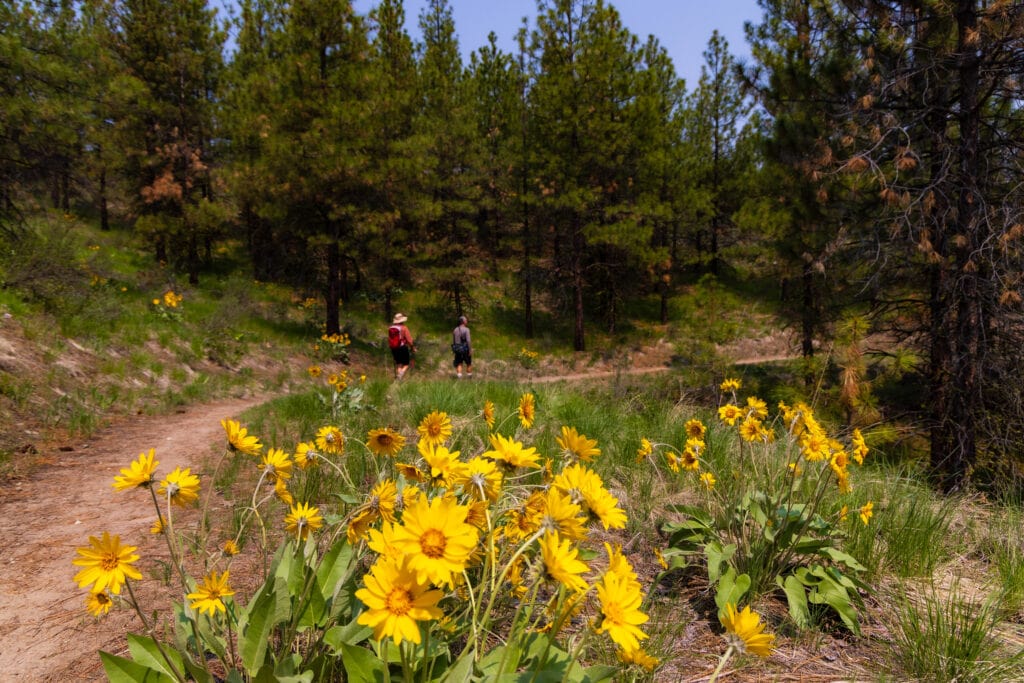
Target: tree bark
column 332, row 297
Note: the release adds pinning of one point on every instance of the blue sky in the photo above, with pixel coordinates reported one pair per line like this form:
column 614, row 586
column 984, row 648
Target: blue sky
column 683, row 27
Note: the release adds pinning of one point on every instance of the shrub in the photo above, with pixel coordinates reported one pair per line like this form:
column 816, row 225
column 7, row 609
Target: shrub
column 771, row 515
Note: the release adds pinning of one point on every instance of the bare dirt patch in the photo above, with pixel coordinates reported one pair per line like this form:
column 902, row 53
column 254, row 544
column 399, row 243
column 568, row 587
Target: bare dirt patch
column 45, row 632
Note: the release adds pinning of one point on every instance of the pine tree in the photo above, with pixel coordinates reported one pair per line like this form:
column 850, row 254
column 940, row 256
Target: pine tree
column 665, row 183
column 395, row 157
column 801, row 77
column 171, row 50
column 246, row 100
column 40, row 117
column 316, row 132
column 445, row 126
column 582, row 100
column 497, row 113
column 719, row 108
column 940, row 135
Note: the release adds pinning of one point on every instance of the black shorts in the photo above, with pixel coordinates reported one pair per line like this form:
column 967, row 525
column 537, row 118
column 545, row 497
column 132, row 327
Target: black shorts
column 463, row 358
column 401, row 355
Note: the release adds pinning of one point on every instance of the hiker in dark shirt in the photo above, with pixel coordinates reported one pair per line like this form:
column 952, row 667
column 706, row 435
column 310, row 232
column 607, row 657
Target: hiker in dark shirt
column 462, row 347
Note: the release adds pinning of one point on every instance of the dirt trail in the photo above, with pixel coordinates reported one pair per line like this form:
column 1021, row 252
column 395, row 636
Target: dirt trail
column 45, row 632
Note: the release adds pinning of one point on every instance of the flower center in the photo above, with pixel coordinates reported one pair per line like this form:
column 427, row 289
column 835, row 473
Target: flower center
column 433, row 543
column 398, row 601
column 384, row 441
column 109, row 562
column 613, row 614
column 576, row 496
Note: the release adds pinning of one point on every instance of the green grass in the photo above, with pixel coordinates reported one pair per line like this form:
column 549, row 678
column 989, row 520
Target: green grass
column 943, row 636
column 915, row 529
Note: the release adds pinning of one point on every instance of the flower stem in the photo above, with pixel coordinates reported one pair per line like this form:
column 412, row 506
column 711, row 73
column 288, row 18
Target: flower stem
column 721, row 663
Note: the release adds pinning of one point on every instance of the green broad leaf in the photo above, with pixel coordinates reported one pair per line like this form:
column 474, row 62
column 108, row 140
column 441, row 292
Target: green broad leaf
column 540, row 645
column 791, row 513
column 461, row 671
column 820, row 525
column 687, row 536
column 183, row 631
column 351, row 633
column 808, row 545
column 266, row 674
column 361, row 665
column 291, row 570
column 675, row 560
column 254, row 627
column 347, row 498
column 839, row 601
column 314, row 610
column 844, row 559
column 695, row 512
column 336, row 565
column 304, row 677
column 201, row 675
column 717, row 556
column 731, row 589
column 145, row 651
column 597, row 673
column 830, row 592
column 796, row 596
column 806, row 577
column 841, row 579
column 491, row 663
column 121, row 670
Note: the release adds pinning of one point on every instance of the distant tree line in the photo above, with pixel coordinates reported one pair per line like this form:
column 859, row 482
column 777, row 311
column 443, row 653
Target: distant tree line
column 869, row 154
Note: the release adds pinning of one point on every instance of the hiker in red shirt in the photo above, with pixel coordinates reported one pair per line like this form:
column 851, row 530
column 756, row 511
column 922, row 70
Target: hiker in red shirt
column 401, row 345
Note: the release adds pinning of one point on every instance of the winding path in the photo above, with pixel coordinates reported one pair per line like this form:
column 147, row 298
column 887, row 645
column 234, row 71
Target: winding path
column 45, row 632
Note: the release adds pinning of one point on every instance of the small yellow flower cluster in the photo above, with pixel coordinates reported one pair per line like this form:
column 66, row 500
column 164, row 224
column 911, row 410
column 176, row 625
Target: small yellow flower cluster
column 440, row 521
column 730, row 385
column 338, row 380
column 171, row 300
column 645, row 450
column 528, row 358
column 751, row 418
column 336, row 339
column 817, row 446
column 332, row 347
